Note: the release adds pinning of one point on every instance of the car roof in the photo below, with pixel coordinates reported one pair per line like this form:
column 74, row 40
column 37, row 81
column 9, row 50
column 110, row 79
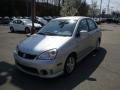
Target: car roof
column 71, row 17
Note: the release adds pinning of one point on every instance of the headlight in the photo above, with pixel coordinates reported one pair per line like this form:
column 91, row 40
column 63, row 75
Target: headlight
column 47, row 55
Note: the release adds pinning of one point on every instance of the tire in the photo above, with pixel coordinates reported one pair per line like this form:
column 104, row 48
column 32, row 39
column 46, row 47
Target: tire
column 27, row 30
column 12, row 29
column 70, row 65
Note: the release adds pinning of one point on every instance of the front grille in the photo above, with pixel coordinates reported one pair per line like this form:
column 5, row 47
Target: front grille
column 28, row 69
column 27, row 56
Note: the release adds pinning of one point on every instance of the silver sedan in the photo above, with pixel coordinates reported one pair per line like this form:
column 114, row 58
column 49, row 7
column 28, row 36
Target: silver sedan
column 58, row 46
column 23, row 25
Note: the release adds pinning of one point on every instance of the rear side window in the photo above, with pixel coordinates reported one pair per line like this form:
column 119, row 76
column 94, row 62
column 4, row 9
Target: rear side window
column 92, row 25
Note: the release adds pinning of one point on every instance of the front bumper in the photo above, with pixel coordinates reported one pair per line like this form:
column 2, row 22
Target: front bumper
column 41, row 68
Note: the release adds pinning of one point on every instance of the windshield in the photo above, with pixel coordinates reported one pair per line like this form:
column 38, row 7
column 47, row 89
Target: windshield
column 59, row 28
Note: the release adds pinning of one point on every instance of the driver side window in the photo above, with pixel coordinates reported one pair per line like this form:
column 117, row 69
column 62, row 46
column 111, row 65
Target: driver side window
column 83, row 25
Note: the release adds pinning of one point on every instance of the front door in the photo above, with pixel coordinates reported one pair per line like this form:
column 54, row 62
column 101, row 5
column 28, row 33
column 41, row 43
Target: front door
column 20, row 25
column 82, row 41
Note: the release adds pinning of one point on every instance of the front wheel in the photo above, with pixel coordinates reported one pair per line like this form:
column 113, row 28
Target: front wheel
column 11, row 29
column 69, row 65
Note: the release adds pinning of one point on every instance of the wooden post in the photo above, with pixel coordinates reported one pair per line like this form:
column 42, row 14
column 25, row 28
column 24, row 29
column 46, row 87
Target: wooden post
column 33, row 6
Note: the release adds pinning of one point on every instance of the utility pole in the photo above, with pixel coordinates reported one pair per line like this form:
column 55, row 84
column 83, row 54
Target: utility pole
column 101, row 7
column 33, row 14
column 47, row 3
column 59, row 5
column 108, row 8
column 100, row 10
column 63, row 2
column 92, row 8
column 27, row 9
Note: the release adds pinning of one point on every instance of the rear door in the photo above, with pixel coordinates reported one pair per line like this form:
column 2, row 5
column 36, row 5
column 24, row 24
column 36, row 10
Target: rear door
column 93, row 32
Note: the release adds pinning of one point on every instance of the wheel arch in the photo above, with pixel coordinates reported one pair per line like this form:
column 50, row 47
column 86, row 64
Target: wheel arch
column 99, row 39
column 73, row 54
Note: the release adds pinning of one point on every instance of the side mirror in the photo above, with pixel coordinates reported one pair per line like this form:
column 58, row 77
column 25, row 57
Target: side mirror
column 83, row 33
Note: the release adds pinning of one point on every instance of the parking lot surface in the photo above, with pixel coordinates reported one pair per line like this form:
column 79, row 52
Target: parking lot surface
column 98, row 71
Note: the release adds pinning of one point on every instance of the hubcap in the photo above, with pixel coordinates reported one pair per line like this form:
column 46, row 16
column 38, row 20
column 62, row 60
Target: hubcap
column 70, row 64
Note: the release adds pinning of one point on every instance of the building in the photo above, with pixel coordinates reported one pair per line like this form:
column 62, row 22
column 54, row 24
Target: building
column 23, row 8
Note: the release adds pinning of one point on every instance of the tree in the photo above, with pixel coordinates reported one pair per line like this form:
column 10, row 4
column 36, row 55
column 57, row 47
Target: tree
column 116, row 14
column 83, row 9
column 93, row 10
column 74, row 7
column 68, row 8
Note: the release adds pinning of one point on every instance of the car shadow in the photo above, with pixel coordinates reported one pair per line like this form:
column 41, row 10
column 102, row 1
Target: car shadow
column 18, row 32
column 83, row 72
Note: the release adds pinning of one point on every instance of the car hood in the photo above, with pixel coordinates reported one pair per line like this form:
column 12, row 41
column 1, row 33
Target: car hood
column 40, row 43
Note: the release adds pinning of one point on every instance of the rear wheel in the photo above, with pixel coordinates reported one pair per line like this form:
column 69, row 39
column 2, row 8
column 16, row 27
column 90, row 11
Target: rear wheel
column 69, row 65
column 11, row 29
column 27, row 30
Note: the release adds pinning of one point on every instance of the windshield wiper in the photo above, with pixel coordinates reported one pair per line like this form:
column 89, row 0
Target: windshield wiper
column 51, row 34
column 48, row 33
